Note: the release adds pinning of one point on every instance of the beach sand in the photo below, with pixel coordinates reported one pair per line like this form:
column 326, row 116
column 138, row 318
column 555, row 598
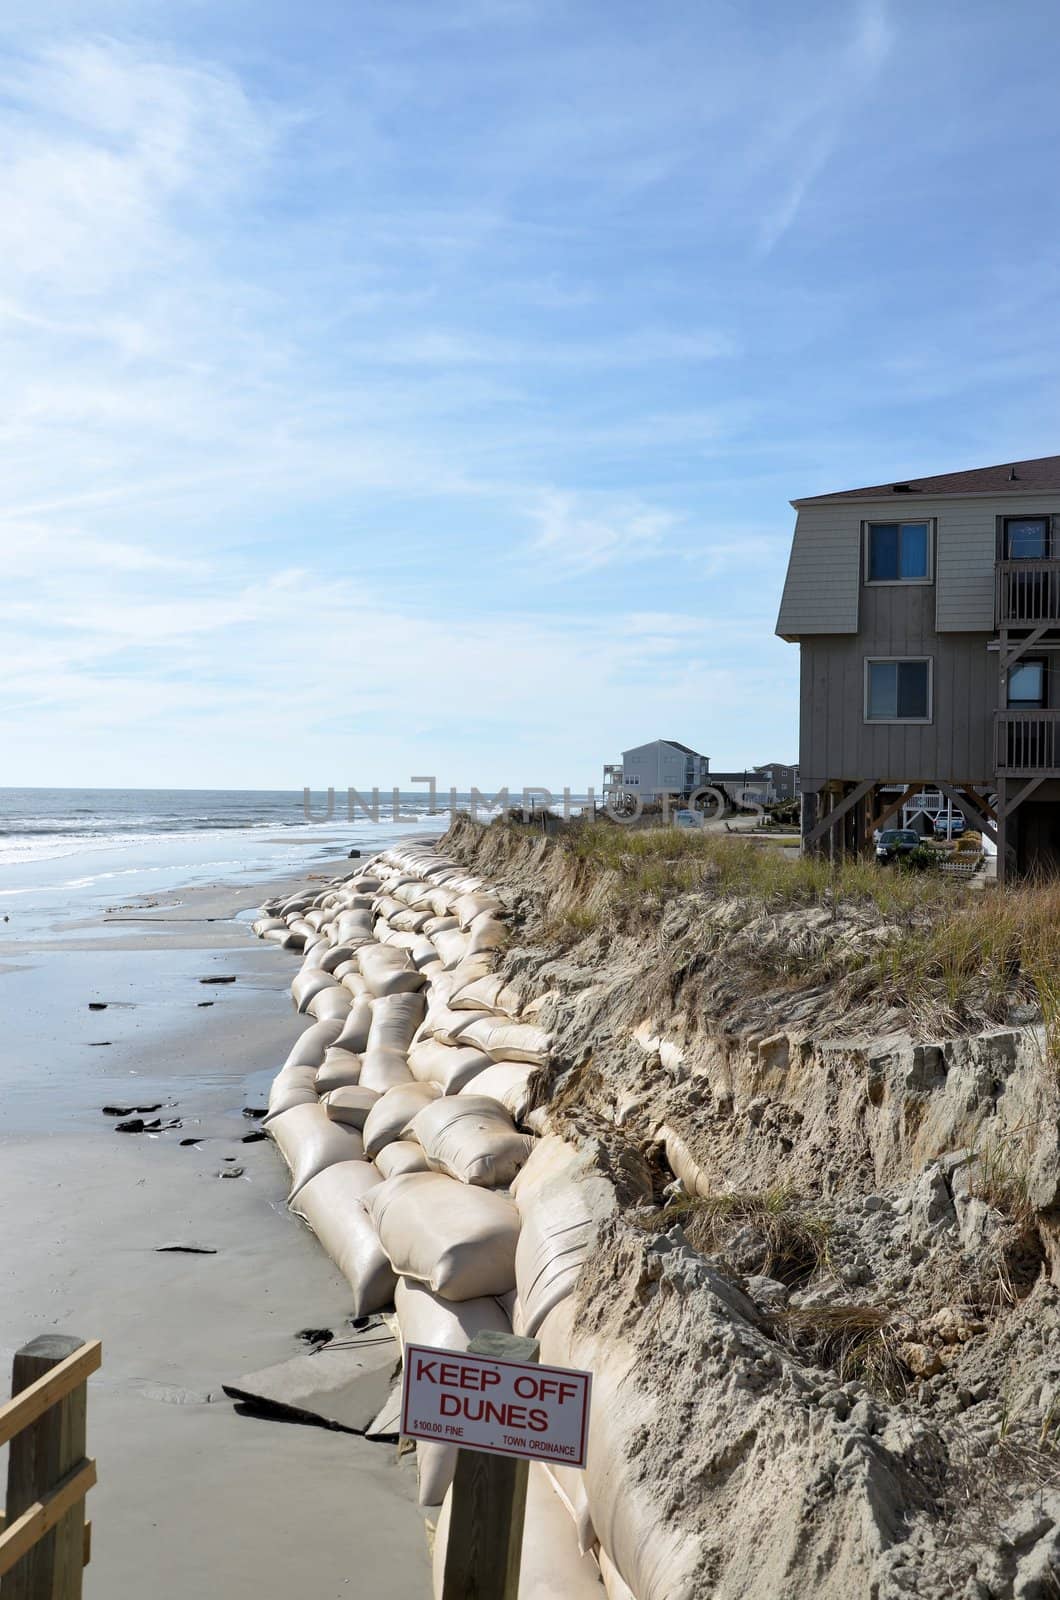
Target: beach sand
column 193, row 1498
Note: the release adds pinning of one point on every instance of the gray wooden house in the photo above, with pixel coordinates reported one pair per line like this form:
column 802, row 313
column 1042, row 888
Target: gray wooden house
column 928, row 618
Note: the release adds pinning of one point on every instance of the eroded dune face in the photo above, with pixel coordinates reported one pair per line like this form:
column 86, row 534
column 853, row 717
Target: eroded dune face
column 804, row 1252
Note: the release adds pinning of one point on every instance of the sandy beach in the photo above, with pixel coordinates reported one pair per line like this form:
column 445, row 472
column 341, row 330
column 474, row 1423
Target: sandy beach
column 193, row 1497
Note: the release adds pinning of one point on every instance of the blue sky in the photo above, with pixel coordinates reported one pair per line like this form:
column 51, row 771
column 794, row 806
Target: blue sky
column 415, row 388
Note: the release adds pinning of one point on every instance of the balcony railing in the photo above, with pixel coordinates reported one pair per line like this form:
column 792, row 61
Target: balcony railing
column 1027, row 592
column 1027, row 744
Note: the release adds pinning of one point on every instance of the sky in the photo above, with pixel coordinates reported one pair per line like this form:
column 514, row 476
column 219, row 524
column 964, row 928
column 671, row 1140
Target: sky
column 417, row 388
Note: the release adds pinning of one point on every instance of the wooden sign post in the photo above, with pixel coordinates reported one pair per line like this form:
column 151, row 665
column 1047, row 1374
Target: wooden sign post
column 503, row 1410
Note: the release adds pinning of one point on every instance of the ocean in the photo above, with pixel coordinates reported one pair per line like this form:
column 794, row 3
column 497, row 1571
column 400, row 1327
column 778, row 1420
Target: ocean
column 69, row 854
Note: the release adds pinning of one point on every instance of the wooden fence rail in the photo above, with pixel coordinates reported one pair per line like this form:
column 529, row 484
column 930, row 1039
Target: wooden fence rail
column 44, row 1539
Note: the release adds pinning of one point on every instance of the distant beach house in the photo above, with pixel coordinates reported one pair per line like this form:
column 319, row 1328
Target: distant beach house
column 667, row 767
column 928, row 619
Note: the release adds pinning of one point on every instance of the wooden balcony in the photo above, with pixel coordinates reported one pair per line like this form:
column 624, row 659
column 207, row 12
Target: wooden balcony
column 1027, row 744
column 1026, row 593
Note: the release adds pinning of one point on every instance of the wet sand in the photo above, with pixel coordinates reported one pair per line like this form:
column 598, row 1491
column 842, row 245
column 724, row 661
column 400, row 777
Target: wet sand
column 193, row 1498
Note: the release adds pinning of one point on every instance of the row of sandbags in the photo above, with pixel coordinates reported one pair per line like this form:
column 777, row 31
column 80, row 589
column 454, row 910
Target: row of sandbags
column 404, row 1112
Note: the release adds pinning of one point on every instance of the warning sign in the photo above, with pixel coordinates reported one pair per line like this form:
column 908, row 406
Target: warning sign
column 513, row 1408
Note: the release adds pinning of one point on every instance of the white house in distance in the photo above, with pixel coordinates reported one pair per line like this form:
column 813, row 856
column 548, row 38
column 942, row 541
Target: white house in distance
column 662, row 767
column 666, row 766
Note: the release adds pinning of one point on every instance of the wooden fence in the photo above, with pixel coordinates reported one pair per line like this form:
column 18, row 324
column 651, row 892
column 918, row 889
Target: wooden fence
column 44, row 1538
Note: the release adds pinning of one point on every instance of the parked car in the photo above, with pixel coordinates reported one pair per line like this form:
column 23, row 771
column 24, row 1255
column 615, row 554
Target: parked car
column 893, row 843
column 950, row 827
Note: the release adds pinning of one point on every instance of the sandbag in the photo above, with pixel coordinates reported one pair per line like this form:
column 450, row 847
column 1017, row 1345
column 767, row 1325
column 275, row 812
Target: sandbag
column 654, row 1555
column 615, row 1586
column 470, row 906
column 388, row 970
column 409, row 921
column 473, row 1139
column 562, row 1199
column 266, row 925
column 280, row 936
column 308, row 982
column 335, row 956
column 292, row 1086
column 452, row 945
column 684, row 1165
column 440, row 924
column 458, row 1240
column 333, row 1002
column 308, row 1050
column 424, row 1318
column 383, row 1069
column 509, row 1041
column 452, row 1067
column 353, row 982
column 395, row 1018
column 350, row 1104
column 486, row 994
column 308, row 1142
column 354, row 926
column 340, row 1069
column 507, row 1082
column 387, row 907
column 393, row 1112
column 486, row 933
column 445, row 1025
column 551, row 1567
column 424, row 956
column 404, row 1155
column 469, row 969
column 356, row 1027
column 333, row 1205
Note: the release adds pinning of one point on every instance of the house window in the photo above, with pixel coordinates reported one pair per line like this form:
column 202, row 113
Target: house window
column 898, row 552
column 1026, row 538
column 1026, row 685
column 898, row 691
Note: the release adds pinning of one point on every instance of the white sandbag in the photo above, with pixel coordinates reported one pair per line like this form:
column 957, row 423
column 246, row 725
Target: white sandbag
column 486, row 994
column 440, row 924
column 340, row 1069
column 354, row 983
column 388, row 970
column 335, row 956
column 471, row 968
column 266, row 925
column 356, row 1026
column 395, row 1018
column 551, row 1566
column 387, row 907
column 486, row 934
column 509, row 1041
column 404, row 1155
column 309, row 1142
column 392, row 1114
column 308, row 1050
column 424, row 1318
column 562, row 1199
column 458, row 1240
column 615, row 1586
column 292, row 1086
column 353, row 926
column 333, row 1002
column 316, row 917
column 333, row 1205
column 452, row 945
column 298, row 924
column 308, row 982
column 507, row 1082
column 450, row 1066
column 350, row 1104
column 683, row 1164
column 473, row 1139
column 424, row 956
column 280, row 936
column 384, row 1069
column 445, row 1025
column 315, row 951
column 470, row 906
column 409, row 921
column 655, row 1556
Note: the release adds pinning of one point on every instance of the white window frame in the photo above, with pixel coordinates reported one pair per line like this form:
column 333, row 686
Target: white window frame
column 896, row 583
column 899, row 722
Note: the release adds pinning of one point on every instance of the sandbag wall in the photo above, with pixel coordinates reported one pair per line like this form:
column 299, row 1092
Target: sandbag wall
column 402, row 1113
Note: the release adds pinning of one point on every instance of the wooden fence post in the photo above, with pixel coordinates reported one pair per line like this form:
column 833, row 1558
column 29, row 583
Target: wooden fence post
column 485, row 1546
column 42, row 1455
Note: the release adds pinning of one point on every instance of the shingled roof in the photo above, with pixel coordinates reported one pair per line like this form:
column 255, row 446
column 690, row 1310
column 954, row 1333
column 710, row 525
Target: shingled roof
column 1041, row 476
